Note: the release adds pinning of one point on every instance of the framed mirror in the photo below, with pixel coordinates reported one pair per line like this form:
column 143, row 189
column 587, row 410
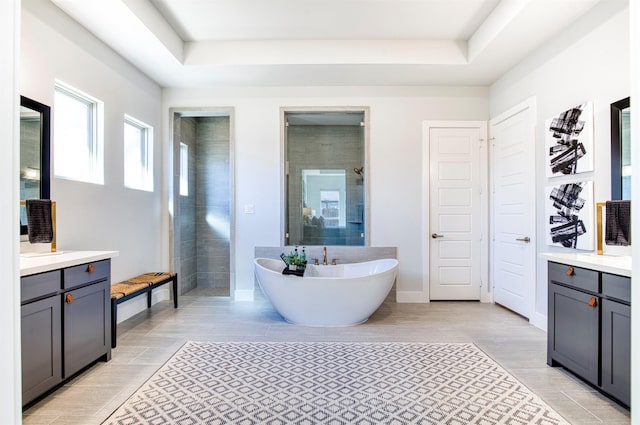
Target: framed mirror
column 35, row 154
column 621, row 149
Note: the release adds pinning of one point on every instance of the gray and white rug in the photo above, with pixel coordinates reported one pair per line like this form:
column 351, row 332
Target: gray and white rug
column 246, row 383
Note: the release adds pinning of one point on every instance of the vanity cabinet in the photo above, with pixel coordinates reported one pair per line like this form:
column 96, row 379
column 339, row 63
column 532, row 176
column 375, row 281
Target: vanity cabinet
column 616, row 341
column 41, row 334
column 573, row 338
column 589, row 328
column 66, row 320
column 87, row 321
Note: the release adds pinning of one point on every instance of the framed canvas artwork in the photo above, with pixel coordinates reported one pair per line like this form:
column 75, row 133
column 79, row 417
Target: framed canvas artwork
column 569, row 141
column 569, row 209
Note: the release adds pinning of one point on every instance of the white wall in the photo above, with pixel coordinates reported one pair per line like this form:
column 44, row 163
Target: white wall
column 109, row 216
column 635, row 220
column 588, row 62
column 10, row 372
column 394, row 154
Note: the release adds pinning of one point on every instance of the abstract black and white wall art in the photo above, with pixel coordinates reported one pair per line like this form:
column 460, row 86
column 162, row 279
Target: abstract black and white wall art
column 569, row 211
column 569, row 141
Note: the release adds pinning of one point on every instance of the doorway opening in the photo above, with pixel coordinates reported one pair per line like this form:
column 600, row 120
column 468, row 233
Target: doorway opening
column 203, row 200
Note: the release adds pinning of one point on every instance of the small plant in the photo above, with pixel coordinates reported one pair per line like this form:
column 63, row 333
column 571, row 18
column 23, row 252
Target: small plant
column 295, row 259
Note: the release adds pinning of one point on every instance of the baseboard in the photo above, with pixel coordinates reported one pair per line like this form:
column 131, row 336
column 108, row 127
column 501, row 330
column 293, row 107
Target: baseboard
column 243, row 295
column 412, row 297
column 139, row 304
column 539, row 320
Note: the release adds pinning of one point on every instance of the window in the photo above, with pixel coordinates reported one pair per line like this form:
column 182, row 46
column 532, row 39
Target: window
column 184, row 169
column 330, row 201
column 77, row 147
column 138, row 154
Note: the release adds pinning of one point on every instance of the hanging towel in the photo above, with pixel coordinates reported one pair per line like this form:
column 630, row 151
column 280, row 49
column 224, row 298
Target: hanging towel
column 39, row 223
column 618, row 223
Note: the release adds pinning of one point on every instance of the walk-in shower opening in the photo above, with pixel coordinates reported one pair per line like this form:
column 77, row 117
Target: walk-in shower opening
column 203, row 202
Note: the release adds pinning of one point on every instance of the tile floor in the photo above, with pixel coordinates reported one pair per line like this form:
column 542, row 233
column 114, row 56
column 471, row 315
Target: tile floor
column 147, row 340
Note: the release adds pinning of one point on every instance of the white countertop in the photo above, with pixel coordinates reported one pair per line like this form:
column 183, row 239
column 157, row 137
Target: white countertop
column 38, row 263
column 604, row 263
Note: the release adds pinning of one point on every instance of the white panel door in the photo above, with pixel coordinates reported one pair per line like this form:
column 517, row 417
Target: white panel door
column 455, row 212
column 513, row 206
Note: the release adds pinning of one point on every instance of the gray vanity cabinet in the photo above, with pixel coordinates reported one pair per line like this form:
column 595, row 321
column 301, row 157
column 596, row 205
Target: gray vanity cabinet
column 574, row 335
column 41, row 347
column 86, row 325
column 589, row 327
column 616, row 337
column 66, row 319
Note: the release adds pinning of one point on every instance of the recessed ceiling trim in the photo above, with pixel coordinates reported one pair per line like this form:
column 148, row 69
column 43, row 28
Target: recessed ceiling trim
column 155, row 22
column 366, row 46
column 328, row 52
column 130, row 27
column 495, row 23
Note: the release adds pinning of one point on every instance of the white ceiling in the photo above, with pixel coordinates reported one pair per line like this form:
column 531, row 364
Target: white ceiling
column 208, row 43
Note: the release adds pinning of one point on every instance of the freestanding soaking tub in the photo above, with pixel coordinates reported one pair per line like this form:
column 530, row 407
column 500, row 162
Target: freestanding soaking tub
column 341, row 295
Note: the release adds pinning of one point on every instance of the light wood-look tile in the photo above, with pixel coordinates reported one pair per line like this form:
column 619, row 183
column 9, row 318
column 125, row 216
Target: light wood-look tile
column 148, row 339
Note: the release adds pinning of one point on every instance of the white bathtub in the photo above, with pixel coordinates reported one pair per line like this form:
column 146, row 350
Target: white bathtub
column 341, row 295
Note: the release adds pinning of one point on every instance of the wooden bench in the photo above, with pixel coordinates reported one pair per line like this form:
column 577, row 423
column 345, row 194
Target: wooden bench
column 131, row 288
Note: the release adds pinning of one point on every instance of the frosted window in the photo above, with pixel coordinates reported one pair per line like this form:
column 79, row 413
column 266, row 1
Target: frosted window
column 77, row 136
column 184, row 169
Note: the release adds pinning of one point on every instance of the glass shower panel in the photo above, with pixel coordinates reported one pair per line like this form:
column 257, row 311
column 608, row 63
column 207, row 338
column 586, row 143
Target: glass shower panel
column 324, row 178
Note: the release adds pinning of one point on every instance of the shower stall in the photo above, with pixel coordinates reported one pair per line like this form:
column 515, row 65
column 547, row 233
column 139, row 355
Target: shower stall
column 202, row 222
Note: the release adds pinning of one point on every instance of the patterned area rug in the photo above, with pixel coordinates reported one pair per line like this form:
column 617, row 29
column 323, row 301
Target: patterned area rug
column 332, row 383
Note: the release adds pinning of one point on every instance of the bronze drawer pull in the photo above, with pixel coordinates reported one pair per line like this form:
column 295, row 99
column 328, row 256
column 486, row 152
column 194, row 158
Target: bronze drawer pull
column 90, row 268
column 593, row 302
column 69, row 298
column 570, row 271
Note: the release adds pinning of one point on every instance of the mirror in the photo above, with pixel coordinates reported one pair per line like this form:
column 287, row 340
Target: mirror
column 35, row 133
column 621, row 149
column 324, row 178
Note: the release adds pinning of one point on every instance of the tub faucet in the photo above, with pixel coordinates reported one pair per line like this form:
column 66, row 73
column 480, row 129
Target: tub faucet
column 324, row 256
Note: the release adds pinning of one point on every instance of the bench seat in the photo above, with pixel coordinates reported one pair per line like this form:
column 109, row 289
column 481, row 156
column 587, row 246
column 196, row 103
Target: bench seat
column 131, row 288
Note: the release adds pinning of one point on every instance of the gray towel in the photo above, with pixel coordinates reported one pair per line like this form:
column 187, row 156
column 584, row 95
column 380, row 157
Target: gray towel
column 39, row 223
column 618, row 223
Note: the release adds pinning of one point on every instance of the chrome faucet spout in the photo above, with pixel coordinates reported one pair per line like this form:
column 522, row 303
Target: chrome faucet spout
column 324, row 256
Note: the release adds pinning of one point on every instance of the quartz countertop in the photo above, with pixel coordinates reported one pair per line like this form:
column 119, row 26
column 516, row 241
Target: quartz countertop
column 44, row 262
column 604, row 263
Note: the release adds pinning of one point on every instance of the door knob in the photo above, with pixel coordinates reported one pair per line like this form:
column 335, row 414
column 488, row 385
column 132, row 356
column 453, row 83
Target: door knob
column 436, row 236
column 526, row 239
column 69, row 298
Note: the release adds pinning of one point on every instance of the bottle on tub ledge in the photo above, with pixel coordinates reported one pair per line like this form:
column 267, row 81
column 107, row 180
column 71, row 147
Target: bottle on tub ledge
column 295, row 262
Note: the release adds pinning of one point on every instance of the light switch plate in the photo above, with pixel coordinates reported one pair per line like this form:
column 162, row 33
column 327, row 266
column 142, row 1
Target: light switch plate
column 249, row 209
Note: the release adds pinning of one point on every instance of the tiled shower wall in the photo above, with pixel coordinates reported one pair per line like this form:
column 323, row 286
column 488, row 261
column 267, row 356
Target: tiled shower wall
column 185, row 128
column 212, row 211
column 205, row 212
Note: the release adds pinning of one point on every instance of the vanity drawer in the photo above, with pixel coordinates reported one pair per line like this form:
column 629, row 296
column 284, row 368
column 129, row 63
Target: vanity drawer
column 86, row 273
column 576, row 277
column 618, row 287
column 39, row 285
